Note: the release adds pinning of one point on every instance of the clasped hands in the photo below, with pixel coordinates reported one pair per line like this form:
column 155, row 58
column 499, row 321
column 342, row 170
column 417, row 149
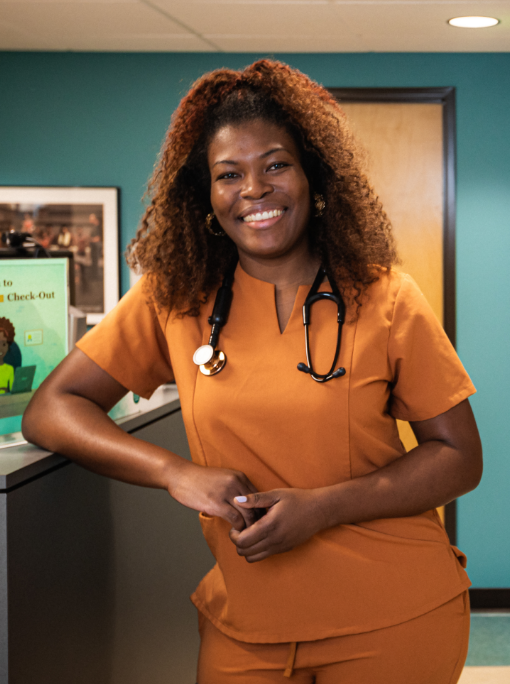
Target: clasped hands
column 263, row 523
column 291, row 517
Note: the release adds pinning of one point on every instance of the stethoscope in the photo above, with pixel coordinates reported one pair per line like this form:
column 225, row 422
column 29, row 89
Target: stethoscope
column 212, row 360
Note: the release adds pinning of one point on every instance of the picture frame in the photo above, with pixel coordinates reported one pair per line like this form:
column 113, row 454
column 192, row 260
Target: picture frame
column 83, row 220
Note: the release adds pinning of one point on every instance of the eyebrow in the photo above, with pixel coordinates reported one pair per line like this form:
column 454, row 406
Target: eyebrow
column 262, row 156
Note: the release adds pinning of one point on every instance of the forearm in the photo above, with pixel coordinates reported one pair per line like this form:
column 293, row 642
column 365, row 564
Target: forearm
column 81, row 430
column 431, row 475
column 68, row 415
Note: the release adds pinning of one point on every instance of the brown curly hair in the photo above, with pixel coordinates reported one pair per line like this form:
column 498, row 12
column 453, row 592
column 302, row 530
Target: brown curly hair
column 7, row 328
column 183, row 260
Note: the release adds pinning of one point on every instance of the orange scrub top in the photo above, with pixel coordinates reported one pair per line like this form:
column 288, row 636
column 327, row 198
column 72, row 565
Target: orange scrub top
column 263, row 417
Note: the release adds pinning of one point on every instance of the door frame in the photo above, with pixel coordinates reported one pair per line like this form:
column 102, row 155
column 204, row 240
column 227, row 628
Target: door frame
column 444, row 96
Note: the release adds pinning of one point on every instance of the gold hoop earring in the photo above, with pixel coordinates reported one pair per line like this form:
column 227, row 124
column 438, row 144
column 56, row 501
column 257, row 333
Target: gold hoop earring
column 208, row 224
column 320, row 204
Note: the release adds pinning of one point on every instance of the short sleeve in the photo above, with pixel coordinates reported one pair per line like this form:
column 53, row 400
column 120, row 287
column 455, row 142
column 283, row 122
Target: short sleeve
column 130, row 345
column 428, row 376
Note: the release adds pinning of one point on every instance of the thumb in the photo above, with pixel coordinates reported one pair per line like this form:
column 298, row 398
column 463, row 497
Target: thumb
column 258, row 500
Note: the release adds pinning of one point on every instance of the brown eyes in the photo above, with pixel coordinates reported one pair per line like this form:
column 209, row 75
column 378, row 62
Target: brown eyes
column 227, row 176
column 277, row 166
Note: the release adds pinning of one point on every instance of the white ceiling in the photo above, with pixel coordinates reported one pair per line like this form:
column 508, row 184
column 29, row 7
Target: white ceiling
column 267, row 26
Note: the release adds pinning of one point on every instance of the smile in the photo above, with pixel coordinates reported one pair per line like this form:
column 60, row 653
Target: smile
column 262, row 216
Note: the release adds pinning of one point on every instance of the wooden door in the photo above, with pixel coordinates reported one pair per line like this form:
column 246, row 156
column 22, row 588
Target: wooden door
column 404, row 148
column 404, row 145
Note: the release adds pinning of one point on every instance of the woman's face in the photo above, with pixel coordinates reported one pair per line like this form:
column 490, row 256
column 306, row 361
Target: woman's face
column 259, row 191
column 4, row 346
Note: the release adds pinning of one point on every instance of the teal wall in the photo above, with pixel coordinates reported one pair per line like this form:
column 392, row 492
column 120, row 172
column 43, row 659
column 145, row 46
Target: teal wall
column 98, row 119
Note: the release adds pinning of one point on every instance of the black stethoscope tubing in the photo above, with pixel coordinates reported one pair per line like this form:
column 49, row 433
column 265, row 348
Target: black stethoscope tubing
column 211, row 361
column 312, row 297
column 221, row 308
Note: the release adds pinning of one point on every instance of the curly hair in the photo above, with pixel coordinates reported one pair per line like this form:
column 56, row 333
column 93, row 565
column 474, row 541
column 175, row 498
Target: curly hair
column 184, row 262
column 7, row 328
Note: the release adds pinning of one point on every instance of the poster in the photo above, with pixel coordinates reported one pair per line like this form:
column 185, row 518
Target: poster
column 33, row 330
column 83, row 221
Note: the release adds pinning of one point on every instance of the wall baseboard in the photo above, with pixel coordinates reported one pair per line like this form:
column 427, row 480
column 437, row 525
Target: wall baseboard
column 489, row 598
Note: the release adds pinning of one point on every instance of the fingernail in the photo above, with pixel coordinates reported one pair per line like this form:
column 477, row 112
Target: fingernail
column 241, row 499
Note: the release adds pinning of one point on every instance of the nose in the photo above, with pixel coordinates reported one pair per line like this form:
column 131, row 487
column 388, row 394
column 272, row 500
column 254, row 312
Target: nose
column 255, row 186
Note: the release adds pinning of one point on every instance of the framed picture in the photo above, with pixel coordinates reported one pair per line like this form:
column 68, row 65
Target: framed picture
column 81, row 220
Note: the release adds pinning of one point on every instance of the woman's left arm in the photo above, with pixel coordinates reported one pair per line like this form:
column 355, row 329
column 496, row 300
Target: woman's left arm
column 446, row 464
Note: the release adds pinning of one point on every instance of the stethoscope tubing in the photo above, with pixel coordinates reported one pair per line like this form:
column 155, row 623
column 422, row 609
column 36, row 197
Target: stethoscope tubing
column 212, row 361
column 313, row 297
column 322, row 377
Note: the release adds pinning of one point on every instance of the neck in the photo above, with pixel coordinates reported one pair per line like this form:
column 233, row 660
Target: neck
column 285, row 272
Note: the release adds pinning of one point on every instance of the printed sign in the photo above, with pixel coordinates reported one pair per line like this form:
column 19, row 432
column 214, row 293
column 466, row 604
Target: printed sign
column 33, row 330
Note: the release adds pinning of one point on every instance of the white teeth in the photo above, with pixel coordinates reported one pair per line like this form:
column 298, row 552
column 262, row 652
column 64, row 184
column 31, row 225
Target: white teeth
column 263, row 216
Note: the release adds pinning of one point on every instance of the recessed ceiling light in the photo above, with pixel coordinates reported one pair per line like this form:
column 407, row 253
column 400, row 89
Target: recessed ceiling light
column 473, row 22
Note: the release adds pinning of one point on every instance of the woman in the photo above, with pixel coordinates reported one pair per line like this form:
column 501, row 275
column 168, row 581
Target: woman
column 333, row 565
column 6, row 340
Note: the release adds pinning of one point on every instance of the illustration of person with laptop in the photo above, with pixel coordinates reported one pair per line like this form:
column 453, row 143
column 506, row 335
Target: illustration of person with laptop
column 6, row 370
column 14, row 378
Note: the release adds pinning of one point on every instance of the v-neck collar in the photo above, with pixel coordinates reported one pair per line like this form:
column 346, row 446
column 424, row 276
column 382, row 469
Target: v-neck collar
column 260, row 296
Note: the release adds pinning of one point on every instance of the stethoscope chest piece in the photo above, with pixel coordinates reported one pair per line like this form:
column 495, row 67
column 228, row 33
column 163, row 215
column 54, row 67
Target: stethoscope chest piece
column 203, row 354
column 209, row 360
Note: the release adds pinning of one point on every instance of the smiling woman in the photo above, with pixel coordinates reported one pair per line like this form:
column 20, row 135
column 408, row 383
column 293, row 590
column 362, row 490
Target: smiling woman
column 261, row 198
column 257, row 181
column 350, row 237
column 332, row 563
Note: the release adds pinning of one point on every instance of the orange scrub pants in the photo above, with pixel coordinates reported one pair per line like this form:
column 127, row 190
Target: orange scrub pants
column 430, row 649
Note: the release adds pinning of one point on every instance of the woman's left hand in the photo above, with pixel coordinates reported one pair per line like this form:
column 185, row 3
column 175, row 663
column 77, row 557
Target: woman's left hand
column 293, row 516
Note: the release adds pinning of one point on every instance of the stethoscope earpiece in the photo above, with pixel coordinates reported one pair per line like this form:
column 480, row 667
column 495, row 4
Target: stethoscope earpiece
column 338, row 373
column 306, row 369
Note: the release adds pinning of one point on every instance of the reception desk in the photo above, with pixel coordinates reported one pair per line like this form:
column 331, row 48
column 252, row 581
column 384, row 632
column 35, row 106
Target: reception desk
column 95, row 575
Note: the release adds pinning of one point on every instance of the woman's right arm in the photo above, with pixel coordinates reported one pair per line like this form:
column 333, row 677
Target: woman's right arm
column 69, row 414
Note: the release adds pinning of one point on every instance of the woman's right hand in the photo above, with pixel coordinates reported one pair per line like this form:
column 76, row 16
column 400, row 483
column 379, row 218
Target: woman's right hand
column 212, row 491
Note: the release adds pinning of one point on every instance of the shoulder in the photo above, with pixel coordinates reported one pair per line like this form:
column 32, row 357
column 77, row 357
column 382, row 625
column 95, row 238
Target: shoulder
column 135, row 316
column 390, row 282
column 389, row 286
column 140, row 300
column 392, row 301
